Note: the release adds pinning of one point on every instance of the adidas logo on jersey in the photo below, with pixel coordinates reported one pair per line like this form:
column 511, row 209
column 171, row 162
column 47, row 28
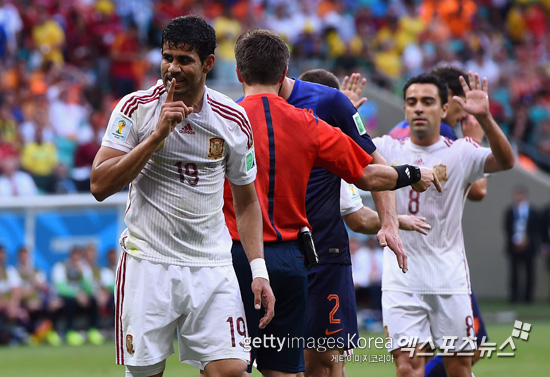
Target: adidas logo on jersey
column 187, row 130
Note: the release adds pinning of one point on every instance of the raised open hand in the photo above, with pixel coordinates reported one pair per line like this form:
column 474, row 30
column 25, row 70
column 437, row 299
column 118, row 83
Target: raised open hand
column 352, row 88
column 477, row 97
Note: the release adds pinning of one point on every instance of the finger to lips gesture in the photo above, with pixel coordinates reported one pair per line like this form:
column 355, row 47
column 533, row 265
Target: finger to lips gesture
column 172, row 112
column 477, row 98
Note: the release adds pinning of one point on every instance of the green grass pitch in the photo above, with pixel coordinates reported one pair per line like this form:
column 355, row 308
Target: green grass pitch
column 531, row 359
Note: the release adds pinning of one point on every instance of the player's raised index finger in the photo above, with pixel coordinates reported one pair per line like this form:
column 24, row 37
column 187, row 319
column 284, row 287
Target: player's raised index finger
column 437, row 184
column 171, row 87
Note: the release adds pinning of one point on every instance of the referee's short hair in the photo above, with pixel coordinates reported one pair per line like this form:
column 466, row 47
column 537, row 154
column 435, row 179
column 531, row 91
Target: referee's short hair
column 262, row 57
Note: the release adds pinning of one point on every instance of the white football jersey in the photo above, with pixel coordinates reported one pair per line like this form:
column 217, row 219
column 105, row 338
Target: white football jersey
column 350, row 200
column 437, row 262
column 174, row 210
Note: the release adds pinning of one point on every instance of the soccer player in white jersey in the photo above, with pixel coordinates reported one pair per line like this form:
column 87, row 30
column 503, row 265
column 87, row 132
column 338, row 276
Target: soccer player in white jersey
column 175, row 144
column 431, row 304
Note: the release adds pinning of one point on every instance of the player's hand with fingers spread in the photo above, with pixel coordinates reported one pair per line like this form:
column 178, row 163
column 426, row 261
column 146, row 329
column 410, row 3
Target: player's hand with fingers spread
column 263, row 296
column 171, row 114
column 416, row 223
column 352, row 88
column 427, row 177
column 391, row 239
column 477, row 97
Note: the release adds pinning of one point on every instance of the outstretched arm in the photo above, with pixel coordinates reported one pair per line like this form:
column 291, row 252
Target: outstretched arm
column 477, row 104
column 388, row 234
column 366, row 221
column 249, row 224
column 378, row 177
column 471, row 128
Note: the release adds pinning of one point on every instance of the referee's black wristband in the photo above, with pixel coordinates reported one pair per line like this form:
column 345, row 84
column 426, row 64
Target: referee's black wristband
column 406, row 175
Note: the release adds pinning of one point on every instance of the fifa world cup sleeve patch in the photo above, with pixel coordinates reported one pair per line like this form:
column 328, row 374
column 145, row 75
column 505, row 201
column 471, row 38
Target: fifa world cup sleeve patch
column 250, row 160
column 359, row 124
column 120, row 129
column 353, row 193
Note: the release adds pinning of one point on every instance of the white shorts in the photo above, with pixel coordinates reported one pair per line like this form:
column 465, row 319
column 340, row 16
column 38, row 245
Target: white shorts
column 202, row 305
column 444, row 321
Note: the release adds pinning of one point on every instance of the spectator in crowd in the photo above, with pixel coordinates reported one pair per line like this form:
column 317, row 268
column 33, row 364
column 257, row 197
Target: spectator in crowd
column 62, row 183
column 38, row 301
column 98, row 45
column 10, row 298
column 39, row 158
column 107, row 276
column 11, row 22
column 14, row 181
column 68, row 115
column 73, row 282
column 49, row 37
column 38, row 120
column 101, row 292
column 125, row 57
column 85, row 152
column 522, row 226
column 227, row 29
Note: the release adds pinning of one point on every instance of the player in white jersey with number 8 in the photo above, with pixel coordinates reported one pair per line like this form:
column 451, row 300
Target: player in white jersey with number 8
column 431, row 302
column 175, row 144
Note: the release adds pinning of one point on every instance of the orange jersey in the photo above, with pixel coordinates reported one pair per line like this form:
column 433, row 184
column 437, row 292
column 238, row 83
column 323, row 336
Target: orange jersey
column 288, row 143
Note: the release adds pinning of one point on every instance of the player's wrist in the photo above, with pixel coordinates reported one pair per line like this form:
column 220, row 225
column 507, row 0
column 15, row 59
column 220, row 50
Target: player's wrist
column 259, row 269
column 406, row 175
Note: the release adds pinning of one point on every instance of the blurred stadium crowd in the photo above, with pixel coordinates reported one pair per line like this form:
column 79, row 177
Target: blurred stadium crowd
column 65, row 64
column 76, row 304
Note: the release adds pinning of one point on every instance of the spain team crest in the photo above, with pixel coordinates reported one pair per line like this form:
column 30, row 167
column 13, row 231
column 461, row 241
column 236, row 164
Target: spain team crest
column 130, row 344
column 440, row 171
column 215, row 150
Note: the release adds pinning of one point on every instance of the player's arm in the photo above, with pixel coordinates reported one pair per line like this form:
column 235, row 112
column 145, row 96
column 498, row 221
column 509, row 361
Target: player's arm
column 378, row 177
column 478, row 190
column 338, row 151
column 249, row 225
column 112, row 170
column 385, row 203
column 366, row 221
column 471, row 128
column 361, row 219
column 477, row 104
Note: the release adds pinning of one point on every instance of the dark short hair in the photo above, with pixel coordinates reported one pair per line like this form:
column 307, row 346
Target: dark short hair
column 426, row 78
column 192, row 32
column 450, row 75
column 262, row 56
column 321, row 76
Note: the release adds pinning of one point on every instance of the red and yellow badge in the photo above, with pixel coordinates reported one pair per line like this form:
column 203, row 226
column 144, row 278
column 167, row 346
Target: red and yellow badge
column 130, row 344
column 386, row 332
column 215, row 151
column 440, row 171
